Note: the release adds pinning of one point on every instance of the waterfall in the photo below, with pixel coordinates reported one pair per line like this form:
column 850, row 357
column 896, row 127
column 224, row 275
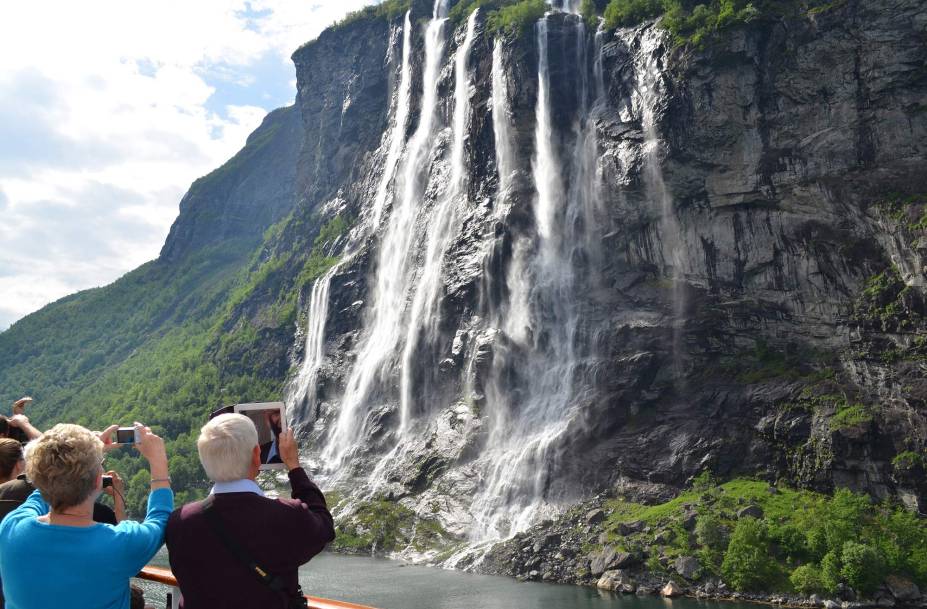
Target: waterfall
column 443, row 226
column 384, row 315
column 536, row 380
column 304, row 388
column 598, row 69
column 395, row 138
column 516, row 318
column 646, row 97
column 526, row 425
column 501, row 123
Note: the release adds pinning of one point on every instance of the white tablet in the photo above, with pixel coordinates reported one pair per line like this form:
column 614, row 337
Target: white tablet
column 270, row 420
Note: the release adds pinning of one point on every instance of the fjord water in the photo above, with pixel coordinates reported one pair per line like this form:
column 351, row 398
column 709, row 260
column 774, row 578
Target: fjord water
column 389, row 584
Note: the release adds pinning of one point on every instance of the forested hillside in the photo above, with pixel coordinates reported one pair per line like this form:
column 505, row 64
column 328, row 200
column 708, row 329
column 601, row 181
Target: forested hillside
column 166, row 343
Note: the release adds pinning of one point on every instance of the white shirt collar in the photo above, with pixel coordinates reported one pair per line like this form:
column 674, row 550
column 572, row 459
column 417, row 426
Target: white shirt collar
column 236, row 486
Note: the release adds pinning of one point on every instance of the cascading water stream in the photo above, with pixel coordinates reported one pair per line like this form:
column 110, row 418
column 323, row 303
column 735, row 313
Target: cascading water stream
column 400, row 121
column 304, row 388
column 394, row 273
column 442, row 226
column 515, row 320
column 646, row 98
column 502, row 126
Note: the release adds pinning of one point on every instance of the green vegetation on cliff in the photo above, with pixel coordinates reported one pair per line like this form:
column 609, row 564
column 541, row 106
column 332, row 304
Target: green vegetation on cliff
column 381, row 526
column 776, row 539
column 388, row 9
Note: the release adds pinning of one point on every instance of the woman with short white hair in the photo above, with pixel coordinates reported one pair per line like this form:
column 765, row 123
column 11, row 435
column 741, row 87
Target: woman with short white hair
column 52, row 553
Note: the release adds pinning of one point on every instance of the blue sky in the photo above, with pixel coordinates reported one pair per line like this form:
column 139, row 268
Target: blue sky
column 109, row 110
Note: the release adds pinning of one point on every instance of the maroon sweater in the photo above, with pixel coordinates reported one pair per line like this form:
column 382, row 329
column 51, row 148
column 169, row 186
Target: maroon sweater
column 278, row 534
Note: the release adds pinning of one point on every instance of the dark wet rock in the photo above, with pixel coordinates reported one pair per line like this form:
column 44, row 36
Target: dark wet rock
column 902, row 589
column 595, row 516
column 689, row 519
column 608, row 558
column 627, row 528
column 751, row 511
column 687, row 566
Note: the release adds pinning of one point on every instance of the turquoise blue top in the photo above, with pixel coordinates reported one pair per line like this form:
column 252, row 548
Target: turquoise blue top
column 48, row 566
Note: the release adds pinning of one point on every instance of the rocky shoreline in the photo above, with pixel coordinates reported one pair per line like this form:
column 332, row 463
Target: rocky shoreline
column 898, row 593
column 585, row 547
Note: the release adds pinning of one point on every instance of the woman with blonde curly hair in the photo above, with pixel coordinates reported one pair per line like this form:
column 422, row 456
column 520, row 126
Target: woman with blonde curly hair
column 52, row 553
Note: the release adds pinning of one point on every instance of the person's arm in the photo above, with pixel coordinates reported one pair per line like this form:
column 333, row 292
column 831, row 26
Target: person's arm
column 312, row 525
column 32, row 507
column 141, row 540
column 22, row 422
column 152, row 448
column 118, row 492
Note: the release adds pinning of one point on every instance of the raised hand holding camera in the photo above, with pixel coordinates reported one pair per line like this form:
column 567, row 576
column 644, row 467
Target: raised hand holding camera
column 151, row 447
column 106, row 436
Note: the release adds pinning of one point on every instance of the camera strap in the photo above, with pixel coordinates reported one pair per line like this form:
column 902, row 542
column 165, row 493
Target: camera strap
column 273, row 582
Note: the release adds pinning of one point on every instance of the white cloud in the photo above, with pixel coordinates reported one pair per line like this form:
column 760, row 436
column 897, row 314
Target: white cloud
column 110, row 109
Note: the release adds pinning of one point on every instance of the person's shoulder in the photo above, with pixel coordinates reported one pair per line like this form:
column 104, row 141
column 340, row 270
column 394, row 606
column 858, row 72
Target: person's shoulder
column 16, row 489
column 287, row 504
column 187, row 511
column 9, row 522
column 104, row 514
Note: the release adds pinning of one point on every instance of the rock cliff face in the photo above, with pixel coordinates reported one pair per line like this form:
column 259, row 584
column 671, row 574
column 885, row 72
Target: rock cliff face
column 598, row 259
column 253, row 190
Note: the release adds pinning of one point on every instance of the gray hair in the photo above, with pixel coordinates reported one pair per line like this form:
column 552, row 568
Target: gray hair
column 226, row 444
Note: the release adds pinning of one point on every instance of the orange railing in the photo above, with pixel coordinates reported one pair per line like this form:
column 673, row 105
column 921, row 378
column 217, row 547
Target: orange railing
column 164, row 576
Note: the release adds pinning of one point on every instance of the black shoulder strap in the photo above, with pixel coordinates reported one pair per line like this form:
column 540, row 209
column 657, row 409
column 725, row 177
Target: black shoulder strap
column 215, row 521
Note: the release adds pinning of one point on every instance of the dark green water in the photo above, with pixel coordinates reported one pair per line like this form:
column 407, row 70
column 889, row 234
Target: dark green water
column 389, row 584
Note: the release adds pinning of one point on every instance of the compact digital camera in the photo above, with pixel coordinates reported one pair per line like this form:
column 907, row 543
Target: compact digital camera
column 126, row 435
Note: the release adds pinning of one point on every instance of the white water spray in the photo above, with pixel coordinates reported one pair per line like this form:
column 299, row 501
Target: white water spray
column 525, row 428
column 400, row 122
column 443, row 225
column 647, row 95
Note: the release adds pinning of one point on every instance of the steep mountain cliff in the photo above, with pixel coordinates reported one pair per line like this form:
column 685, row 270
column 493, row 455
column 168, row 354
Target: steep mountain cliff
column 534, row 261
column 605, row 257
